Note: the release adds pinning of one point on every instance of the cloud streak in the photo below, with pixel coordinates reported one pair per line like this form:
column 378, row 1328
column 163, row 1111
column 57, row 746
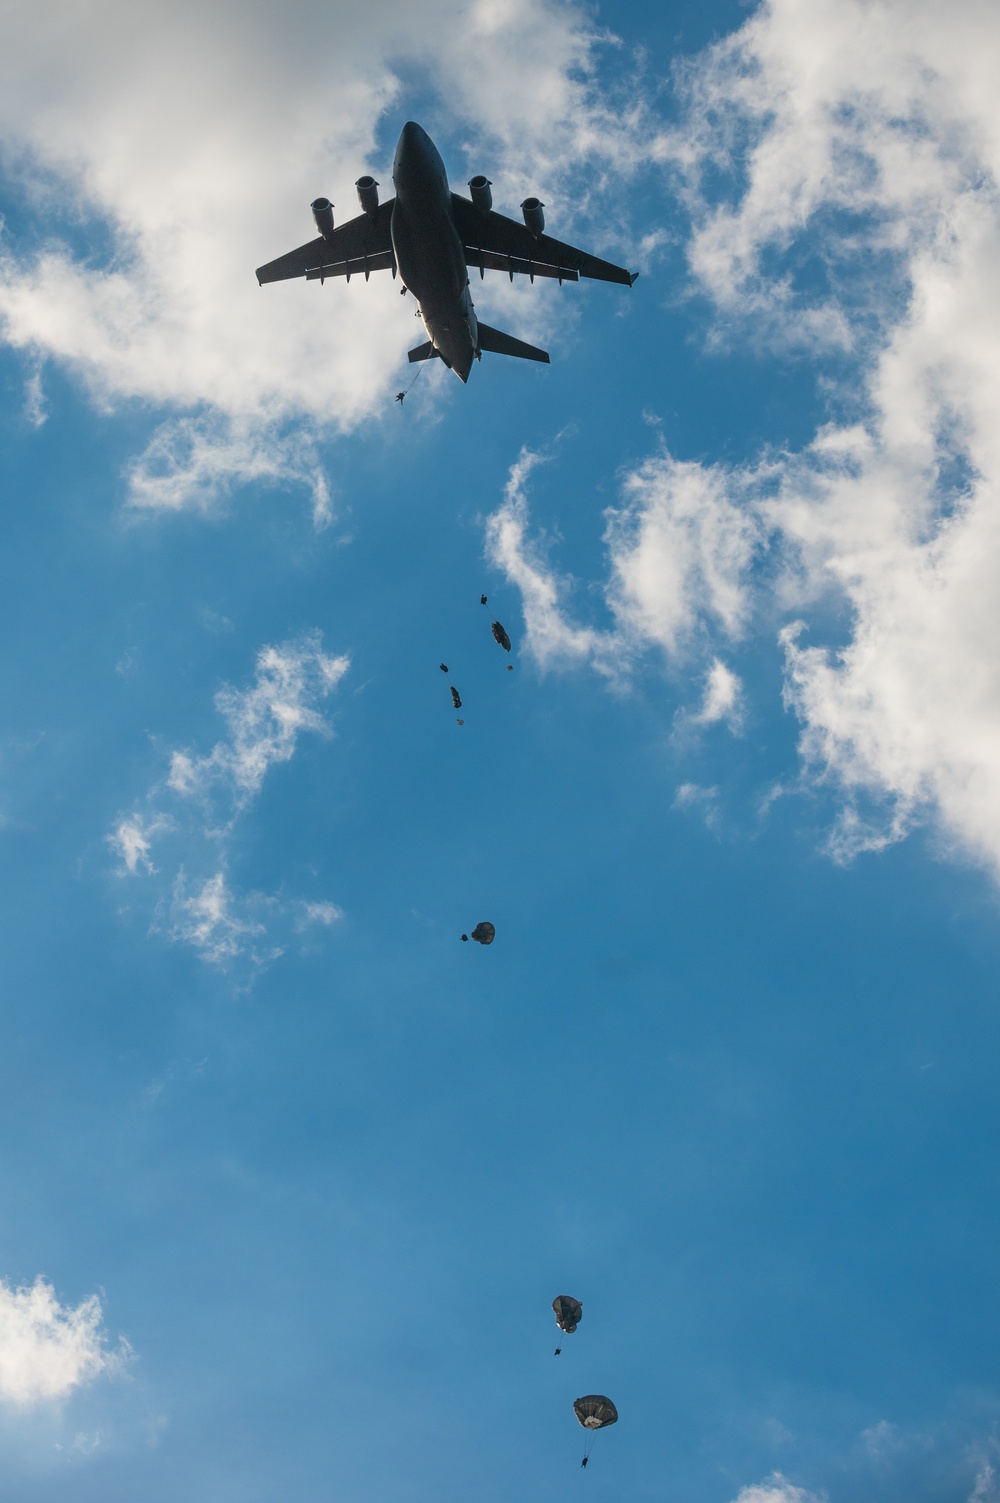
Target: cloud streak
column 192, row 813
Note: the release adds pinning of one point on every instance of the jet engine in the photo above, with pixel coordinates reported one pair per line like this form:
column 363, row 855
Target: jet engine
column 367, row 194
column 323, row 214
column 479, row 189
column 534, row 219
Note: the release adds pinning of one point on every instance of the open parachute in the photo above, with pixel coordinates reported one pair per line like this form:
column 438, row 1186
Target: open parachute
column 568, row 1312
column 595, row 1412
column 483, row 934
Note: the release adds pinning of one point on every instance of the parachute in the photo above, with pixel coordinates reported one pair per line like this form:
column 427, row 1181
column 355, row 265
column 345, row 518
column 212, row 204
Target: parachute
column 500, row 636
column 456, row 698
column 594, row 1411
column 483, row 934
column 443, row 667
column 569, row 1312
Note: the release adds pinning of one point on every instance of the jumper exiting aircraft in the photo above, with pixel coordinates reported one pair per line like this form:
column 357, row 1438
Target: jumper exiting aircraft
column 432, row 236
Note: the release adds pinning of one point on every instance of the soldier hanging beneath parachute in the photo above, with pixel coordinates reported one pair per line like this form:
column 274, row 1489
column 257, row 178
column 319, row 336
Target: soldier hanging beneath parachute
column 569, row 1313
column 500, row 636
column 594, row 1412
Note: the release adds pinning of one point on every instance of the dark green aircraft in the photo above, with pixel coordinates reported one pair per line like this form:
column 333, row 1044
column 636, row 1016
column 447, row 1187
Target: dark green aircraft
column 432, row 236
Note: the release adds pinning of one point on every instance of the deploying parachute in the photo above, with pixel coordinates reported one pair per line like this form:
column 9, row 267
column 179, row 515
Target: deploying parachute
column 594, row 1412
column 500, row 637
column 569, row 1313
column 456, row 698
column 483, row 934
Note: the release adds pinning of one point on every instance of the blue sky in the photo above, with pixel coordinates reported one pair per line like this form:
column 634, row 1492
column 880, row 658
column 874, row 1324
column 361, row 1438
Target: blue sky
column 290, row 1176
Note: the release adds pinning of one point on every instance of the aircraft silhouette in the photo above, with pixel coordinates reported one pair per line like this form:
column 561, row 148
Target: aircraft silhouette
column 432, row 236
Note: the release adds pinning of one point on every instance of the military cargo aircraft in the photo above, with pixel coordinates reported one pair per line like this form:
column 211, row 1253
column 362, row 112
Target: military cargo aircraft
column 431, row 237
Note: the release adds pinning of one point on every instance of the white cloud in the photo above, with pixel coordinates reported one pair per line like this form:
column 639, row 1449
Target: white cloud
column 698, row 799
column 858, row 145
column 777, row 1489
column 217, row 924
column 35, row 413
column 192, row 462
column 192, row 812
column 549, row 636
column 723, row 698
column 265, row 722
column 880, row 1438
column 47, row 1349
column 132, row 840
column 986, row 1489
column 681, row 549
column 190, row 189
column 323, row 914
column 899, row 516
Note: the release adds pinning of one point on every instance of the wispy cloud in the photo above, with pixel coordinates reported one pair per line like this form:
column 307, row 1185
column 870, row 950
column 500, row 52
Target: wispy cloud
column 191, row 463
column 550, row 636
column 132, row 840
column 848, row 208
column 699, row 799
column 48, row 1349
column 264, row 723
column 723, row 699
column 192, row 812
column 777, row 1489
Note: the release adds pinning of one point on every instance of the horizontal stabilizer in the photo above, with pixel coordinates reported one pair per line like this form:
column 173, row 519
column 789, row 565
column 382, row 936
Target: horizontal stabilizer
column 497, row 343
column 423, row 352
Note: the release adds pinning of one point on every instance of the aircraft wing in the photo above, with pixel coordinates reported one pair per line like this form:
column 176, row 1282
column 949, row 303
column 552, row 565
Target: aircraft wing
column 494, row 242
column 361, row 245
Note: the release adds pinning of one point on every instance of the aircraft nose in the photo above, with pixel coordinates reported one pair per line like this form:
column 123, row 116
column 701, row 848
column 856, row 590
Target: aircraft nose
column 410, row 147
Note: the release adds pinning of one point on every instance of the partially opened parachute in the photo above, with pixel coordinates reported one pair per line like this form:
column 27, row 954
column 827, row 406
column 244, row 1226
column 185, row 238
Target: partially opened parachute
column 595, row 1411
column 483, row 934
column 568, row 1312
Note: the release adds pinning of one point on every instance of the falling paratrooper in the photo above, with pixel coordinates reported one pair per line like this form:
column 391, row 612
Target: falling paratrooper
column 595, row 1412
column 569, row 1313
column 483, row 934
column 500, row 636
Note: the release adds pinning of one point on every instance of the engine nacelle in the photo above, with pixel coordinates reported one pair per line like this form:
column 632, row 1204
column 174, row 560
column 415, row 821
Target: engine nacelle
column 479, row 190
column 323, row 214
column 534, row 219
column 367, row 194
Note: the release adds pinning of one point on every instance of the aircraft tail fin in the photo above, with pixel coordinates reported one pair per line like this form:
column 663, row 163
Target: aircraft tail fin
column 424, row 352
column 497, row 343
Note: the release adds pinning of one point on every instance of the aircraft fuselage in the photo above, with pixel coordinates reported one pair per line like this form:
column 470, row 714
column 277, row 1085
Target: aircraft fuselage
column 429, row 253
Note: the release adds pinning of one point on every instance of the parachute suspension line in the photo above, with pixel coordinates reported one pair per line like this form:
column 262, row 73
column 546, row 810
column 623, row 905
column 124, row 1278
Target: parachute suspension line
column 402, row 395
